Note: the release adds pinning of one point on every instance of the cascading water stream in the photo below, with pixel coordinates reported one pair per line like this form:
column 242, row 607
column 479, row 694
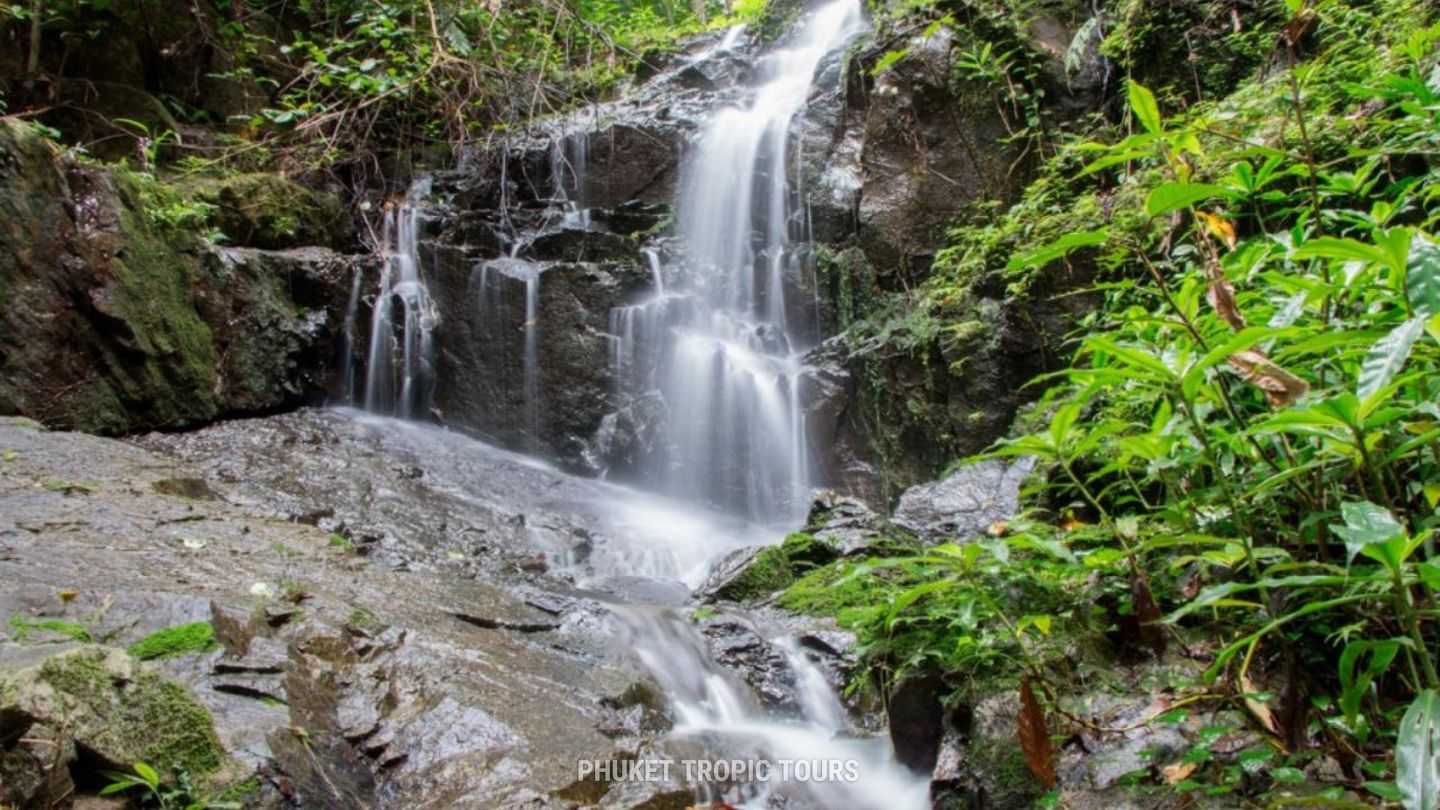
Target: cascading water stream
column 400, row 371
column 719, row 347
column 729, row 364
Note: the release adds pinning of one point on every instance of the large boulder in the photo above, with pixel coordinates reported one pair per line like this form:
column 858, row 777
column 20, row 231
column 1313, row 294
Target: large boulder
column 966, row 503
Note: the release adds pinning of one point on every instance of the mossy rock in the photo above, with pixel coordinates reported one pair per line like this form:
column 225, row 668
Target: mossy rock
column 269, row 211
column 754, row 573
column 804, row 552
column 114, row 708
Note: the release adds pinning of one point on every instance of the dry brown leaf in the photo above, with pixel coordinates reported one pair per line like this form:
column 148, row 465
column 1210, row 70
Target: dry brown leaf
column 1179, row 772
column 1259, row 710
column 1280, row 386
column 1221, row 295
column 1034, row 736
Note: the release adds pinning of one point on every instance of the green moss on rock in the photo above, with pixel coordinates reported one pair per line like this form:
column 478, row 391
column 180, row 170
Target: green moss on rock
column 178, row 640
column 269, row 211
column 120, row 710
column 768, row 571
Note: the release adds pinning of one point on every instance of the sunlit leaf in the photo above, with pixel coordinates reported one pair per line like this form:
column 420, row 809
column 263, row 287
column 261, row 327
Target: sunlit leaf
column 1387, row 357
column 1365, row 523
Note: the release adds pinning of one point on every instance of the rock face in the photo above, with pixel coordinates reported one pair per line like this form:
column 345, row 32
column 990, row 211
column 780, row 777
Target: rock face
column 347, row 679
column 113, row 321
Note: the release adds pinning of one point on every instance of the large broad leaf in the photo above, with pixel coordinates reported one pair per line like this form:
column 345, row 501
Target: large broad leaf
column 1345, row 250
column 1387, row 357
column 1365, row 523
column 1417, row 753
column 1057, row 249
column 1146, row 110
column 1168, row 197
column 1422, row 278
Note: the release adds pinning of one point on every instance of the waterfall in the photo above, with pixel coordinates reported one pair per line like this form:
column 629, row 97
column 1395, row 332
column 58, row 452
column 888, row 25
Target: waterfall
column 400, row 371
column 729, row 365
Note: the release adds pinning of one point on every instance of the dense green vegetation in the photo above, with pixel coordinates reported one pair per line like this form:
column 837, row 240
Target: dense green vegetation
column 1242, row 463
column 323, row 84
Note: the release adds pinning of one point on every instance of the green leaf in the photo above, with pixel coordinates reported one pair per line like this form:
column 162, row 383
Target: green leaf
column 1365, row 524
column 1385, row 790
column 1146, row 109
column 1417, row 753
column 1057, row 249
column 1387, row 357
column 118, row 786
column 147, row 773
column 1355, row 683
column 1422, row 278
column 1348, row 250
column 1168, row 197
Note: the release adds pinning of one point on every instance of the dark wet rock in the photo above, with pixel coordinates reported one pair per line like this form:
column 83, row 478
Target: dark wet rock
column 916, row 716
column 898, row 410
column 966, row 503
column 484, row 313
column 630, row 438
column 735, row 644
column 931, row 145
column 113, row 322
column 632, row 217
column 578, row 245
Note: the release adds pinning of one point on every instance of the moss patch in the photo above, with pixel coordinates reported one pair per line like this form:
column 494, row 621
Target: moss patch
column 183, row 638
column 129, row 713
column 24, row 628
column 768, row 571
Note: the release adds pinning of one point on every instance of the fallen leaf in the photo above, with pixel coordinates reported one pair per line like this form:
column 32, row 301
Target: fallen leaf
column 1221, row 295
column 1147, row 612
column 1259, row 710
column 1179, row 772
column 1034, row 736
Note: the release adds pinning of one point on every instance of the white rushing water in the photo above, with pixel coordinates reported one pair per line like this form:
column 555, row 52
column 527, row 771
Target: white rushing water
column 400, row 370
column 719, row 347
column 728, row 364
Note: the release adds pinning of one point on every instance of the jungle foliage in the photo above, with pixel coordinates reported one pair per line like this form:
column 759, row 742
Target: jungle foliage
column 1241, row 465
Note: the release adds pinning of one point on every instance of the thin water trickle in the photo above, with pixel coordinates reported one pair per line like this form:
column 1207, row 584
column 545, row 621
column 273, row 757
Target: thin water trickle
column 400, row 371
column 347, row 337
